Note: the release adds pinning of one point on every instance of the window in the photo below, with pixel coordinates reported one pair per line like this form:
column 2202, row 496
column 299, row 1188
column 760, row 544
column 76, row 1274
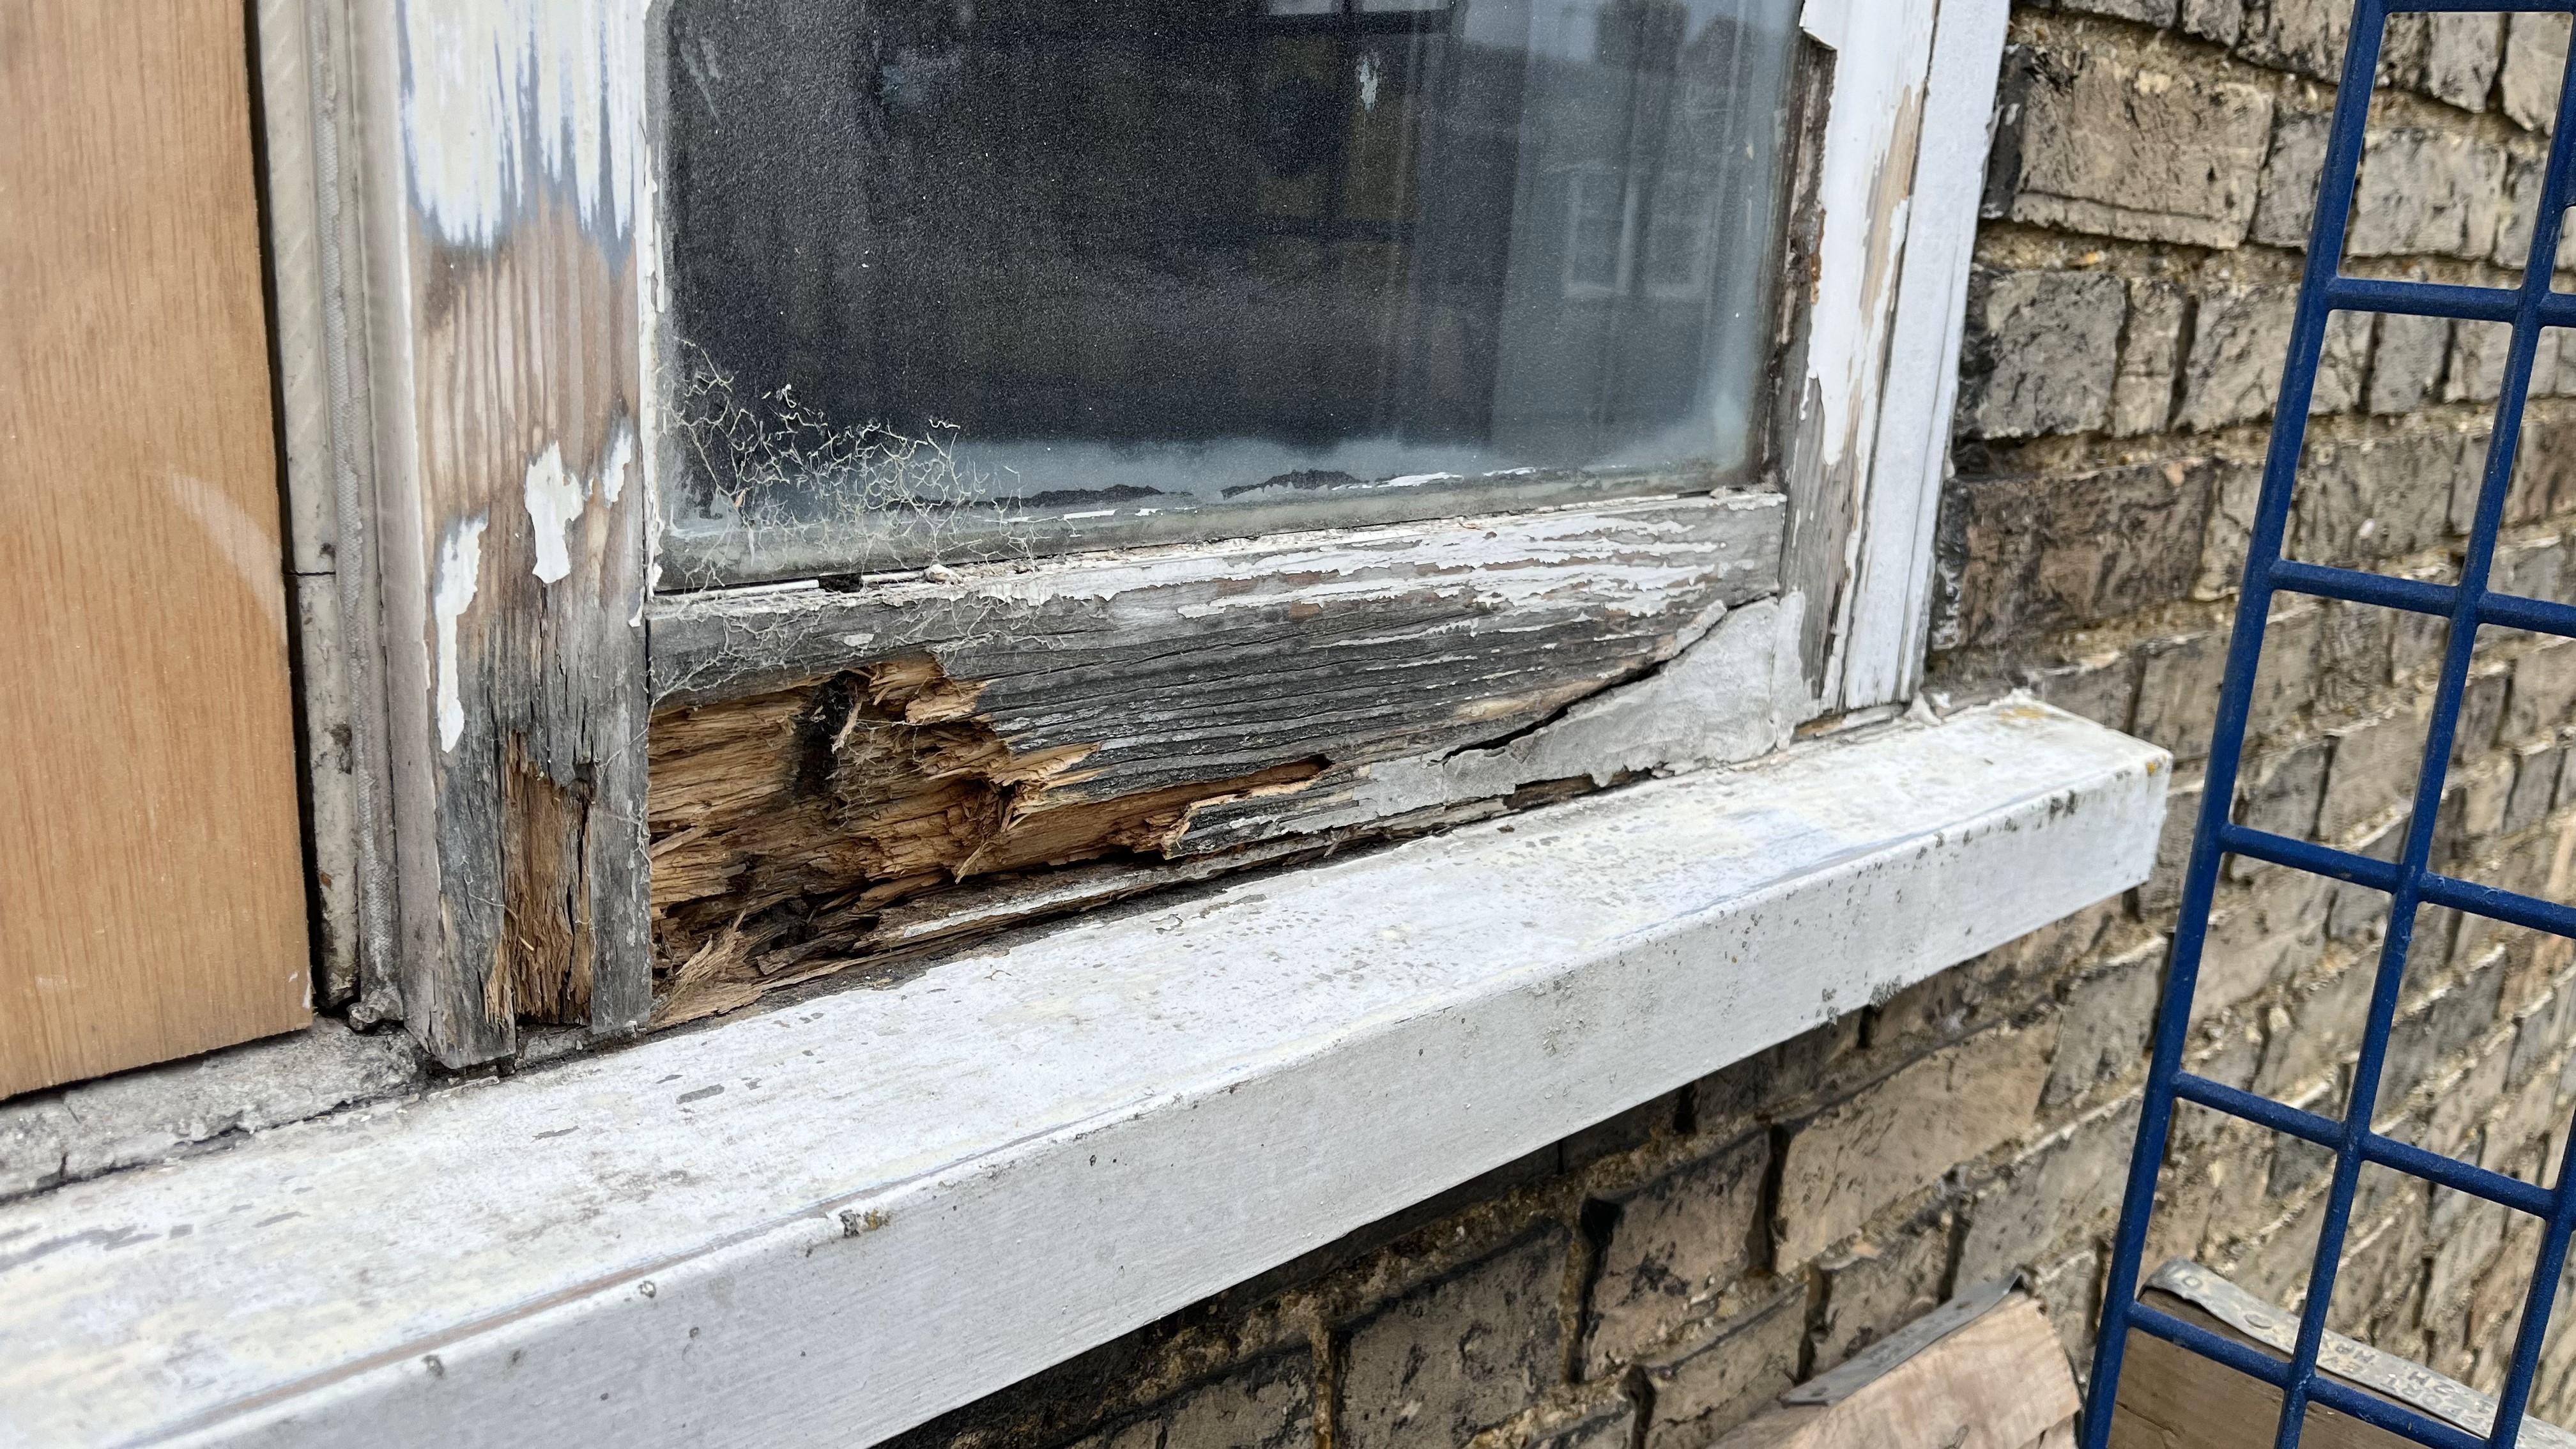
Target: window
column 975, row 462
column 1146, row 271
column 622, row 799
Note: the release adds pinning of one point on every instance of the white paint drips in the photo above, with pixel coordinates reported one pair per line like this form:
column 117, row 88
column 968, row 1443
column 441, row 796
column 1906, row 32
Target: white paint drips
column 621, row 456
column 1368, row 80
column 460, row 561
column 502, row 98
column 554, row 501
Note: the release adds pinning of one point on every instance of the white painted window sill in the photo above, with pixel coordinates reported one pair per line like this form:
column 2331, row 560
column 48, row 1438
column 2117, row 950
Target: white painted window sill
column 828, row 1223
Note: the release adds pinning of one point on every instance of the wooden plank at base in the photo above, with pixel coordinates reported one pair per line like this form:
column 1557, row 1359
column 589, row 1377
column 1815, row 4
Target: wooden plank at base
column 151, row 876
column 2173, row 1398
column 2000, row 1382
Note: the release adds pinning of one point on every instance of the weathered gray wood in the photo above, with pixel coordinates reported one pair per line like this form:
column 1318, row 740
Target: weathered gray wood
column 1641, row 560
column 317, row 264
column 2176, row 1395
column 504, row 267
column 1812, row 455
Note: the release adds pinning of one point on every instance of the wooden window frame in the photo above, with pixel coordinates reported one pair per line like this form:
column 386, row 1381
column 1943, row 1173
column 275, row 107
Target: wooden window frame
column 471, row 316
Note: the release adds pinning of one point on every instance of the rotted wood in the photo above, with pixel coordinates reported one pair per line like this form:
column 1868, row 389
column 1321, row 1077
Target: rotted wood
column 837, row 774
column 1998, row 1382
column 503, row 220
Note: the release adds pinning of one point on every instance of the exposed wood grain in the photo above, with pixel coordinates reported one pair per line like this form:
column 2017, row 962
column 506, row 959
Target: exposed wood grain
column 151, row 879
column 1143, row 709
column 2171, row 1397
column 1862, row 189
column 503, row 230
column 318, row 284
column 1999, row 1383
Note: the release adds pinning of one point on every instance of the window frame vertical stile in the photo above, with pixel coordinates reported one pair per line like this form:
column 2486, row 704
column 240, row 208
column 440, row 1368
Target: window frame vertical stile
column 2409, row 881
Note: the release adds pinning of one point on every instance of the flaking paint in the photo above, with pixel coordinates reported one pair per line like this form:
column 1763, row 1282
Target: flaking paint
column 460, row 561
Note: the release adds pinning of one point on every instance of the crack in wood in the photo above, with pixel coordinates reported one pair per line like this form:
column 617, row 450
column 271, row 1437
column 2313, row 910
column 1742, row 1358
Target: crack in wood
column 785, row 824
column 1103, row 728
column 544, row 956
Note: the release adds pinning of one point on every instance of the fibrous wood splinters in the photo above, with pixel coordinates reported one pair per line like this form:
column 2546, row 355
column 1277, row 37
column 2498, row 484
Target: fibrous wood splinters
column 784, row 823
column 541, row 967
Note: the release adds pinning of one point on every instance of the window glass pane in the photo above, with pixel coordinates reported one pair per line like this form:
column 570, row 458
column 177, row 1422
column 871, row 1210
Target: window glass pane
column 954, row 278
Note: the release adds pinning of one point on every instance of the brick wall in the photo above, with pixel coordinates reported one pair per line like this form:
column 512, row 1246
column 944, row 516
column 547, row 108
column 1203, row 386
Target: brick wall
column 1653, row 1281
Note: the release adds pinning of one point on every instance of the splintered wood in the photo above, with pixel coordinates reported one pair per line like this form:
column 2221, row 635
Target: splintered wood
column 845, row 797
column 1088, row 730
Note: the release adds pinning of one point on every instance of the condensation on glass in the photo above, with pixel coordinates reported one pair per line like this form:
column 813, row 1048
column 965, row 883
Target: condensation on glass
column 953, row 280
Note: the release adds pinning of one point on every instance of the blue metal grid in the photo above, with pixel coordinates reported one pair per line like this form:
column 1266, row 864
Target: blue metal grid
column 2409, row 880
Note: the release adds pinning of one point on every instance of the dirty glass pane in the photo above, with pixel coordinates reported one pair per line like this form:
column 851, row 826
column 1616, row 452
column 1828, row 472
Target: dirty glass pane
column 964, row 278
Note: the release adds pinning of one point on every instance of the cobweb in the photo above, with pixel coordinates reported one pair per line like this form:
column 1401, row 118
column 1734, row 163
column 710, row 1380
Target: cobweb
column 880, row 497
column 870, row 506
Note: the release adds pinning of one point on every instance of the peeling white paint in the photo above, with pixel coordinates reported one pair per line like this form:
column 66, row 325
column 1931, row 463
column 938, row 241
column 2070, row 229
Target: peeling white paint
column 1892, row 585
column 503, row 98
column 1511, row 561
column 1863, row 197
column 1732, row 696
column 460, row 562
column 1827, row 21
column 554, row 502
column 621, row 457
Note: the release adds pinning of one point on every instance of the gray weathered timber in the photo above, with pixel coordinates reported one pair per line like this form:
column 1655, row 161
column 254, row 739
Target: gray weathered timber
column 1348, row 646
column 317, row 257
column 1817, row 468
column 503, row 277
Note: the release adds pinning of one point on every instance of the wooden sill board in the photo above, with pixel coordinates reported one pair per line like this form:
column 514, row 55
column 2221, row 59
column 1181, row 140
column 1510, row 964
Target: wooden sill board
column 828, row 1222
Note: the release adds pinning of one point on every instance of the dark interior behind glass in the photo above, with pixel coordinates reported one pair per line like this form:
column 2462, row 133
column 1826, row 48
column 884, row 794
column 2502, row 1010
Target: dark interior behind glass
column 949, row 278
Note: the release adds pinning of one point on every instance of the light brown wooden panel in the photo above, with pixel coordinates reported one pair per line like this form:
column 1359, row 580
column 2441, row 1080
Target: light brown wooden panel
column 505, row 316
column 151, row 880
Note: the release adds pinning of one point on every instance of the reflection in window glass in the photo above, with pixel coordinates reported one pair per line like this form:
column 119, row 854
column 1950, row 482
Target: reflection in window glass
column 1134, row 269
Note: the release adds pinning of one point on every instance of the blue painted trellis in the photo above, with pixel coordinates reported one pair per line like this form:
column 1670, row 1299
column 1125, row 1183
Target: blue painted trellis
column 2408, row 881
